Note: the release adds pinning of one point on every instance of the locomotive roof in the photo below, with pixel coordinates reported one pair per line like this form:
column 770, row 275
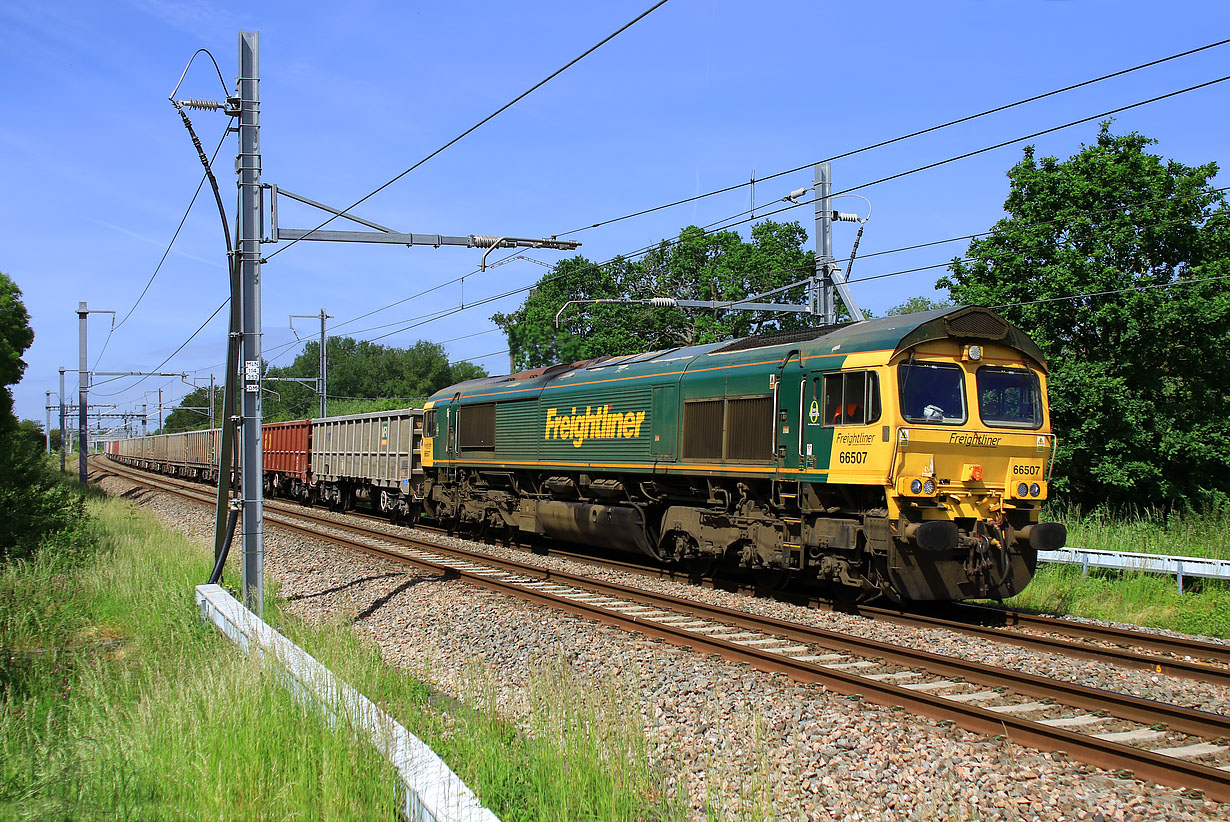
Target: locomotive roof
column 895, row 333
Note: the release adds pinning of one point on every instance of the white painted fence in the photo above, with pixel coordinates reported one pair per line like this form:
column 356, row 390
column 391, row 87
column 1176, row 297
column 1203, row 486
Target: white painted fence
column 433, row 793
column 1178, row 567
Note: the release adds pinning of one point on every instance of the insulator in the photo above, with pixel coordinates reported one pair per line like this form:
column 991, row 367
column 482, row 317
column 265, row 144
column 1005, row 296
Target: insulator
column 663, row 302
column 484, row 240
column 845, row 217
column 202, row 105
column 796, row 195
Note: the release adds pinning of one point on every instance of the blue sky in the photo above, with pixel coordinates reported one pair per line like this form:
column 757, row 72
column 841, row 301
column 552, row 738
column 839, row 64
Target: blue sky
column 97, row 170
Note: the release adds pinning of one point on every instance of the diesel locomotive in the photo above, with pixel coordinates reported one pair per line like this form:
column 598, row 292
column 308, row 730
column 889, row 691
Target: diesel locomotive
column 905, row 457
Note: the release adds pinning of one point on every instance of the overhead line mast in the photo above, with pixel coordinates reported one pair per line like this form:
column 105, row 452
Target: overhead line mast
column 246, row 105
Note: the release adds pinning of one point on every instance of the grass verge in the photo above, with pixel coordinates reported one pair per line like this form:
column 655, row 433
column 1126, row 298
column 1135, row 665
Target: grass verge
column 1135, row 597
column 1147, row 531
column 581, row 754
column 115, row 702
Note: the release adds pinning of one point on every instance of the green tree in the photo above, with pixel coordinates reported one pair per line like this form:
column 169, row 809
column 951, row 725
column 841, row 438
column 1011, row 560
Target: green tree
column 363, row 375
column 915, row 304
column 696, row 266
column 15, row 337
column 584, row 332
column 1110, row 260
column 33, row 504
column 189, row 416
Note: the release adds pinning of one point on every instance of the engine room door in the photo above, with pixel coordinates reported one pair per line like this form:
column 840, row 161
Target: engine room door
column 788, row 431
column 664, row 422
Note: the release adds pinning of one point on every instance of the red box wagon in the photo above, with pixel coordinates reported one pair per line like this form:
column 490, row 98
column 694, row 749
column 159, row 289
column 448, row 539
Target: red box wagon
column 288, row 457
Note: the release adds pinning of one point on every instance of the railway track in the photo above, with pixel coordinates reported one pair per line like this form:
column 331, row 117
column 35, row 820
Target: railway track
column 1173, row 656
column 1165, row 743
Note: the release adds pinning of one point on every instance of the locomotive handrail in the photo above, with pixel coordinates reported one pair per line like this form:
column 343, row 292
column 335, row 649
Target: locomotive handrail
column 892, row 464
column 1050, row 469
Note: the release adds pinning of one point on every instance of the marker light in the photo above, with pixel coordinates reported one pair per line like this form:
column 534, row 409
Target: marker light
column 929, row 487
column 1035, row 490
column 916, row 486
column 1022, row 490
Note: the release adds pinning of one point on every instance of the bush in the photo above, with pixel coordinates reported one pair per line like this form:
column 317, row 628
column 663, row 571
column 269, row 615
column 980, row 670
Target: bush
column 35, row 502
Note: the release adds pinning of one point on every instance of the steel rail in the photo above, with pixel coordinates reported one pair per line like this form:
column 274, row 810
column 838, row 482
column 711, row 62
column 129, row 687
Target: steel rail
column 1149, row 712
column 1188, row 658
column 1168, row 644
column 1196, row 666
column 1143, row 763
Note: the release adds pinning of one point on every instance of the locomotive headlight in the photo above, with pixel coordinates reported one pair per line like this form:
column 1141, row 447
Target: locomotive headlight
column 916, row 486
column 1022, row 490
column 1035, row 490
column 929, row 487
column 974, row 352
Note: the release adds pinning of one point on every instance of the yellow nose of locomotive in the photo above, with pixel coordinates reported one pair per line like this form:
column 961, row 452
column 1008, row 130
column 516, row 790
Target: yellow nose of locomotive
column 969, row 469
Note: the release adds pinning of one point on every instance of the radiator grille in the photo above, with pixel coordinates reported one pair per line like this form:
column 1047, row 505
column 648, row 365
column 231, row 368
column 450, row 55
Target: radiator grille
column 749, row 428
column 978, row 324
column 702, row 430
column 476, row 427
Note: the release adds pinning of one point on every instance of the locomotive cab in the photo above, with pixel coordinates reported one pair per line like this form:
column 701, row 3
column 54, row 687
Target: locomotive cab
column 970, row 462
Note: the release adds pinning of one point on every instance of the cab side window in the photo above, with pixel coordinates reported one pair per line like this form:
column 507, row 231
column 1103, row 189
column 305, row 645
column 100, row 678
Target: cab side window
column 429, row 423
column 851, row 398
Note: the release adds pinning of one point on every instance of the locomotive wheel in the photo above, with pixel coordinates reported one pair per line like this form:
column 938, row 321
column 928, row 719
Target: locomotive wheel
column 771, row 579
column 700, row 567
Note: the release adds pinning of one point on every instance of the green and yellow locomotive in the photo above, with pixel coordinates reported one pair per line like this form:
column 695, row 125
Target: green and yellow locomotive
column 906, row 456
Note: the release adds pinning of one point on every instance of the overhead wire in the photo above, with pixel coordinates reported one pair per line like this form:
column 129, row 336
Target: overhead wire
column 167, row 251
column 482, row 122
column 416, row 322
column 727, row 224
column 900, row 272
column 181, row 347
column 901, row 138
column 1150, row 287
column 741, row 217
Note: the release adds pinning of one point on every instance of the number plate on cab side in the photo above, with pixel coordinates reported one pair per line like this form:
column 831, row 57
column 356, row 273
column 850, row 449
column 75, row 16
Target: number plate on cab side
column 1024, row 470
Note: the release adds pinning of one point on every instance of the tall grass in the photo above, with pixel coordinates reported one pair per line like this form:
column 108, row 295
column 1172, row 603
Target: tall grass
column 1147, row 530
column 115, row 702
column 581, row 754
column 118, row 703
column 1136, row 597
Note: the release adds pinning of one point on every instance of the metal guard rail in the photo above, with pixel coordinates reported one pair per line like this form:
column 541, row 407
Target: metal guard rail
column 1176, row 566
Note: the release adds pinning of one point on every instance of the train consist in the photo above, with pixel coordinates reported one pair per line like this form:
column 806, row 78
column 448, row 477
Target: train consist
column 905, row 456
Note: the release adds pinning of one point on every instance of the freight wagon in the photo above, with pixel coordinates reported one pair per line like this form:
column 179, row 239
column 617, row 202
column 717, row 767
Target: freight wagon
column 374, row 458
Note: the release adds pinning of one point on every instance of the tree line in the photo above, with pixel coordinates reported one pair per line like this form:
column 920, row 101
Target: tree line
column 35, row 504
column 362, row 376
